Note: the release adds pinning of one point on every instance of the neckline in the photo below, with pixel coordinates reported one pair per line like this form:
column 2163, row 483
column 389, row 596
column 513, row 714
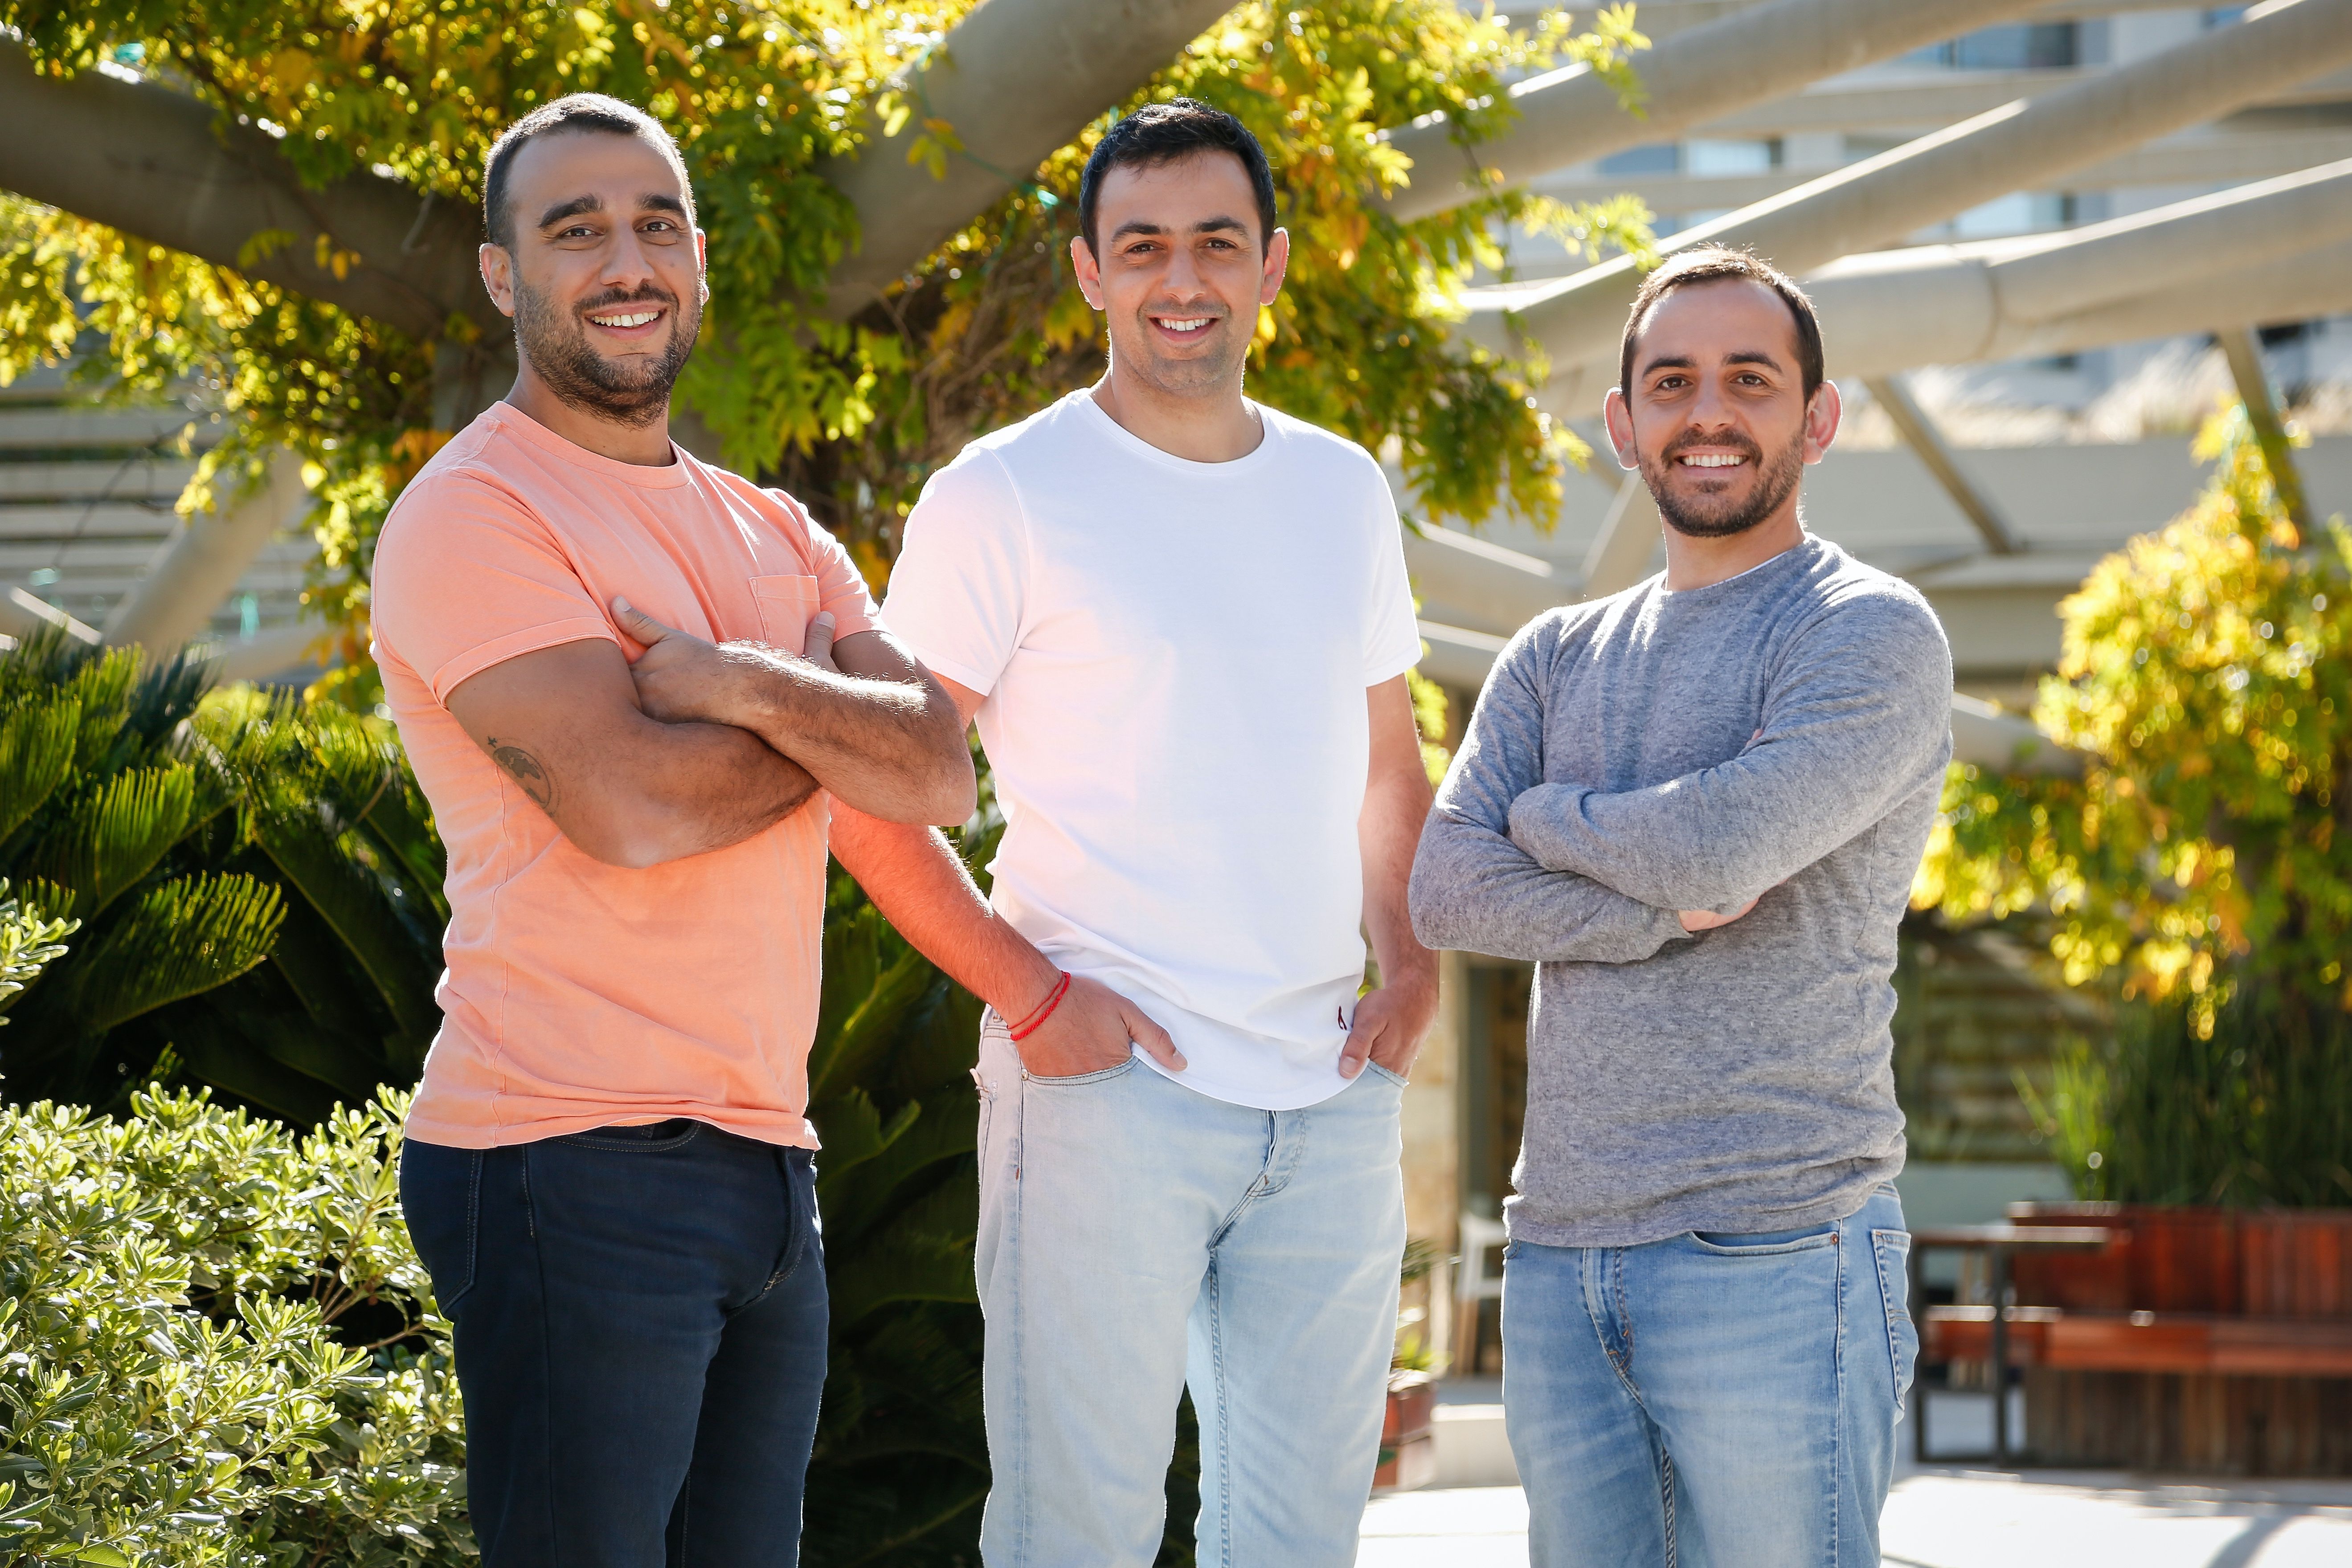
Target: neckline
column 674, row 476
column 1809, row 545
column 1094, row 415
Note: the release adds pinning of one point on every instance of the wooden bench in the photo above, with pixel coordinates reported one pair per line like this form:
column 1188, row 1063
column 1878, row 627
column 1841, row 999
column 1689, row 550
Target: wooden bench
column 2205, row 1339
column 2145, row 1342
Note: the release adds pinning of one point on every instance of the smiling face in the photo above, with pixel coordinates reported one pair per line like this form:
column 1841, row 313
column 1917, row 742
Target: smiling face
column 1182, row 271
column 605, row 276
column 1717, row 419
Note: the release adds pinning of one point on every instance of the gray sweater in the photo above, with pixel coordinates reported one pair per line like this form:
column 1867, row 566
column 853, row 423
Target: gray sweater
column 1782, row 733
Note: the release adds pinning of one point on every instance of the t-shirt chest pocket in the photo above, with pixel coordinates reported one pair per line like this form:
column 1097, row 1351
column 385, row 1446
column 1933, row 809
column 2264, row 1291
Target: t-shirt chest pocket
column 787, row 604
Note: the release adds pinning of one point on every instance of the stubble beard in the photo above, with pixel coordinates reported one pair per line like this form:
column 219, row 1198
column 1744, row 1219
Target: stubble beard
column 1185, row 378
column 634, row 392
column 1716, row 517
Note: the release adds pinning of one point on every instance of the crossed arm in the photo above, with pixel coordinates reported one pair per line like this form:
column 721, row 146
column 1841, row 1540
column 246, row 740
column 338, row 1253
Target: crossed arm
column 714, row 744
column 1858, row 718
column 1476, row 891
column 1520, row 868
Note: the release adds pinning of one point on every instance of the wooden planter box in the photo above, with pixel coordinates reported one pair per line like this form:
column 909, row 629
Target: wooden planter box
column 2199, row 1339
column 1408, row 1450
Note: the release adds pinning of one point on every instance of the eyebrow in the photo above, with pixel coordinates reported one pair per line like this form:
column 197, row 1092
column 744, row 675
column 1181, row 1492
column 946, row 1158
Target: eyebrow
column 578, row 206
column 1219, row 225
column 1737, row 356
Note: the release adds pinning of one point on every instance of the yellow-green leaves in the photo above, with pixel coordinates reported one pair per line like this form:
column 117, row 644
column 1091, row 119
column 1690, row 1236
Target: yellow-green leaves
column 2205, row 672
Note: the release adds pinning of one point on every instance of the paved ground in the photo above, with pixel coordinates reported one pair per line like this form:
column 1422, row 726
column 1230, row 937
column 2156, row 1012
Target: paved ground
column 1953, row 1516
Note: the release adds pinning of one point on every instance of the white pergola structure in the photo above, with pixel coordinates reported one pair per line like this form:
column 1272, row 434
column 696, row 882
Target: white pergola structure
column 2261, row 105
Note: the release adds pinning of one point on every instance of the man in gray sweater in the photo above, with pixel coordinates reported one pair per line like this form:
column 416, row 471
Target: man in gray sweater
column 1698, row 806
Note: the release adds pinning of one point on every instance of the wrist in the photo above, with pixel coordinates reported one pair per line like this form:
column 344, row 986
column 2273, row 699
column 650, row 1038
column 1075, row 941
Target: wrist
column 1025, row 986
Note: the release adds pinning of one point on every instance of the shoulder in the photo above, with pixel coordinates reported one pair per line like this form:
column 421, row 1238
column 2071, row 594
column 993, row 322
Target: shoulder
column 464, row 484
column 1856, row 603
column 1326, row 452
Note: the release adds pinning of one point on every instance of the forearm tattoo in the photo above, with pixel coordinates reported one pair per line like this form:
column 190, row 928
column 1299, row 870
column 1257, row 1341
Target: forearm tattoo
column 526, row 770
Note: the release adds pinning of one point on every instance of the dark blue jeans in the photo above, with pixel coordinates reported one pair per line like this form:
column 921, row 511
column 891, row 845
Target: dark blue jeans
column 640, row 1317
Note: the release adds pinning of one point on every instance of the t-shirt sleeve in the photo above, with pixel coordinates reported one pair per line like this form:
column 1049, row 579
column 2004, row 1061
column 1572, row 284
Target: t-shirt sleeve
column 468, row 576
column 958, row 590
column 841, row 589
column 1392, row 630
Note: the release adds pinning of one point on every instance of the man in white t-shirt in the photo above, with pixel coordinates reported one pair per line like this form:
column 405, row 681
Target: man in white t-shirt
column 1182, row 623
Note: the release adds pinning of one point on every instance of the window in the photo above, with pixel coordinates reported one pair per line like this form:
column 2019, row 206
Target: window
column 2019, row 46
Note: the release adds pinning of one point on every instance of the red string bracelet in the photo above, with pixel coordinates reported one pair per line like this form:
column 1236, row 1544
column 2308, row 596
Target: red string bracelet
column 1052, row 991
column 1044, row 1010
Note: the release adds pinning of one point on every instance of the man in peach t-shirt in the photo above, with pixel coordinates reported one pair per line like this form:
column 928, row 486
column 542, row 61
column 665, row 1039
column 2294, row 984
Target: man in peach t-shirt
column 607, row 1168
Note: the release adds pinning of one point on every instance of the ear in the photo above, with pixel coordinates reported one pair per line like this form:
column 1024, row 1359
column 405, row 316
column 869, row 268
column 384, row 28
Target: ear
column 1278, row 263
column 1082, row 261
column 702, row 263
column 1821, row 416
column 498, row 275
column 1618, row 415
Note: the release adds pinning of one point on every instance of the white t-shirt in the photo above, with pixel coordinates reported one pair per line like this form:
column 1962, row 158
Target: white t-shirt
column 1174, row 656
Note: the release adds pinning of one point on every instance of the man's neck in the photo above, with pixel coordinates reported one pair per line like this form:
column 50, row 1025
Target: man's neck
column 1695, row 562
column 645, row 445
column 1210, row 426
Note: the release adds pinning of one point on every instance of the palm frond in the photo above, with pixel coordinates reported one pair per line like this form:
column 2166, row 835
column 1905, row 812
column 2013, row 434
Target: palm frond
column 36, row 752
column 112, row 833
column 182, row 936
column 871, row 1025
column 352, row 900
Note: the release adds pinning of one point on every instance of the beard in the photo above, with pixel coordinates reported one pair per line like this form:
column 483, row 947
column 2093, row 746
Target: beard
column 633, row 392
column 1722, row 516
column 1184, row 378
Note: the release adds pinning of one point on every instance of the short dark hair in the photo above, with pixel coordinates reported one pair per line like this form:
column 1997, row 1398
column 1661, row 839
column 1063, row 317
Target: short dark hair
column 1721, row 264
column 1162, row 132
column 575, row 112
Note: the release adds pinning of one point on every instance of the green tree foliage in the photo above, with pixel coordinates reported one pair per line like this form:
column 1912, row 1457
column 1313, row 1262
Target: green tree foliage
column 216, row 1346
column 855, row 415
column 2205, row 677
column 2202, row 864
column 254, row 886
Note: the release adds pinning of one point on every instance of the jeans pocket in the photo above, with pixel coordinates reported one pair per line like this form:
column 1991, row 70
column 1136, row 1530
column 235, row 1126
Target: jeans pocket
column 441, row 1199
column 1393, row 1077
column 647, row 1138
column 1892, row 1251
column 1076, row 1080
column 1762, row 1243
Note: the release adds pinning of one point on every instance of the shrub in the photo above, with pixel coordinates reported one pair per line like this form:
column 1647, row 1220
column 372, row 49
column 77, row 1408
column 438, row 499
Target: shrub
column 217, row 1345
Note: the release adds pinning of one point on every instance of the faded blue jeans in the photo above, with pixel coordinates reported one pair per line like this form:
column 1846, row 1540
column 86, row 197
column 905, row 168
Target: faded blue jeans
column 1710, row 1399
column 1136, row 1236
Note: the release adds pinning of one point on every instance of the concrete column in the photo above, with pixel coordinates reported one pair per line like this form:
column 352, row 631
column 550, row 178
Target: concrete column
column 204, row 559
column 1619, row 556
column 1752, row 57
column 1579, row 320
column 2244, row 352
column 1926, row 444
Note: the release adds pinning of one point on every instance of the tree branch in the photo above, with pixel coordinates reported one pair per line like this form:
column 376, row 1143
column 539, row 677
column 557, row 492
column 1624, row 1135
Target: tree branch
column 1014, row 81
column 148, row 161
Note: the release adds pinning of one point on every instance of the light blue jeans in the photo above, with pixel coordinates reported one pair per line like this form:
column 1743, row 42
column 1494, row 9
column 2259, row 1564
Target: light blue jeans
column 1135, row 1236
column 1710, row 1400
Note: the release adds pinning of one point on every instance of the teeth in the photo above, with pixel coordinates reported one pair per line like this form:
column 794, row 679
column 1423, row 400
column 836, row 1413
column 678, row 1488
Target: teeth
column 639, row 319
column 1183, row 324
column 1714, row 460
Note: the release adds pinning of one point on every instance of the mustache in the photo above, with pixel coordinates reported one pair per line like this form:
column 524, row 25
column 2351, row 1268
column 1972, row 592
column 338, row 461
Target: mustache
column 1690, row 438
column 651, row 294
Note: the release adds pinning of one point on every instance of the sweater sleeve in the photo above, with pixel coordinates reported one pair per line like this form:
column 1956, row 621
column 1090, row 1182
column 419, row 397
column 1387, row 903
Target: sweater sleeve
column 1476, row 891
column 1858, row 715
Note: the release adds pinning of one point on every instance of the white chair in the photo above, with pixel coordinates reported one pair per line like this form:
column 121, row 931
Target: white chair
column 1473, row 1284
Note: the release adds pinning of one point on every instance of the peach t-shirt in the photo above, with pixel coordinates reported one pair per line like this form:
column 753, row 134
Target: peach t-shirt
column 578, row 994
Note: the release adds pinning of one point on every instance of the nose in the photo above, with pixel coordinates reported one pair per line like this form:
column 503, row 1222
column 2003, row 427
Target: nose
column 628, row 266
